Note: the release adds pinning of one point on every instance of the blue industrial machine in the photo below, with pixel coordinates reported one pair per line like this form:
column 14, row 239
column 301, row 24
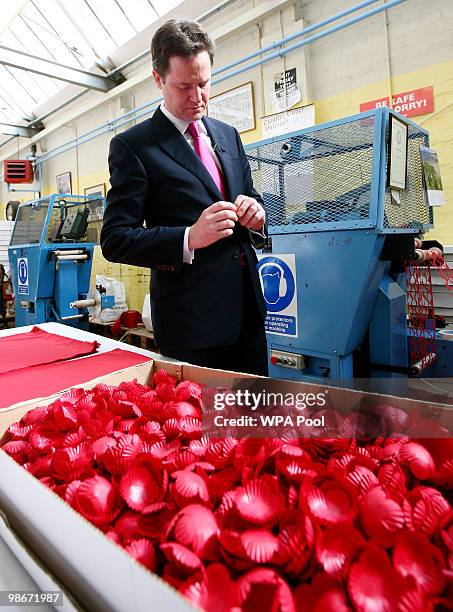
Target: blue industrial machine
column 340, row 229
column 51, row 254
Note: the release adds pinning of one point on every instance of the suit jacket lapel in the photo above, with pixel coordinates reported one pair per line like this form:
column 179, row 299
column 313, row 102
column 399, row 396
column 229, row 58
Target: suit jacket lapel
column 176, row 146
column 216, row 137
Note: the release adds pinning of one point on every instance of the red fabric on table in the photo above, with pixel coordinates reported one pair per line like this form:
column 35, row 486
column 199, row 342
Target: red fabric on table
column 39, row 347
column 44, row 380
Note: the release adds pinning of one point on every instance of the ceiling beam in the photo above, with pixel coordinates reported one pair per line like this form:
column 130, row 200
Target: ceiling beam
column 32, row 63
column 18, row 130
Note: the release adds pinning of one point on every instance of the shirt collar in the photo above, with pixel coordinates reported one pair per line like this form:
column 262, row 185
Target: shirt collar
column 180, row 124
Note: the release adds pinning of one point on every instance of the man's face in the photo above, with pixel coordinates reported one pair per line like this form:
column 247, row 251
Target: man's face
column 186, row 86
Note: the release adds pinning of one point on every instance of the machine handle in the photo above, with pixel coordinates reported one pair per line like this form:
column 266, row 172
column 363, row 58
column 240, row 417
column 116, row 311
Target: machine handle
column 69, row 252
column 72, row 257
column 83, row 303
column 420, row 366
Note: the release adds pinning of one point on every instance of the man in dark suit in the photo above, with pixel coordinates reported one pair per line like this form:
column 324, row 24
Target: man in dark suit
column 182, row 203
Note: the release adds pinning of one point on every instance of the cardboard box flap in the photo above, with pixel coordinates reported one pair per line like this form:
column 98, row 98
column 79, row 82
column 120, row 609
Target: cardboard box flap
column 438, row 407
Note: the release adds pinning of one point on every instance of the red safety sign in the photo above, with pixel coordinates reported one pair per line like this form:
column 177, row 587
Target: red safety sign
column 409, row 103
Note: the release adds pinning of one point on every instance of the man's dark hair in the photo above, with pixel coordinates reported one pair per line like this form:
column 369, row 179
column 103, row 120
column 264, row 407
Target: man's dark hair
column 183, row 38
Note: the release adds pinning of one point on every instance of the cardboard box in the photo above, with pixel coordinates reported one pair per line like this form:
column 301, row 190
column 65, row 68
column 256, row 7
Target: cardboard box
column 100, row 574
column 33, row 574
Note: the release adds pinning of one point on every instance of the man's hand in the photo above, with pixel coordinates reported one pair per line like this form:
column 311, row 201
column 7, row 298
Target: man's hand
column 215, row 222
column 250, row 213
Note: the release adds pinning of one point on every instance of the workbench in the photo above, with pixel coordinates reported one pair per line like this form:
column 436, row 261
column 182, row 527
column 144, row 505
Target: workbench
column 136, row 336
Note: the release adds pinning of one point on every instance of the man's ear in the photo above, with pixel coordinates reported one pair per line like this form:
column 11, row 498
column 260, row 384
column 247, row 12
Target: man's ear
column 157, row 79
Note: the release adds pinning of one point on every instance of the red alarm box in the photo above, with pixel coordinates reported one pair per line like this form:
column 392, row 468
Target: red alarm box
column 18, row 171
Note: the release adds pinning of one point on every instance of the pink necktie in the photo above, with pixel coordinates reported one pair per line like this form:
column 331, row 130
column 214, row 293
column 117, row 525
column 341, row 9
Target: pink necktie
column 206, row 158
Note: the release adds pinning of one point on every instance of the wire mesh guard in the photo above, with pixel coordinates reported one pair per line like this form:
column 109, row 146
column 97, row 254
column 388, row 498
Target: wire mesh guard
column 420, row 313
column 29, row 223
column 411, row 209
column 317, row 177
column 69, row 207
column 325, row 176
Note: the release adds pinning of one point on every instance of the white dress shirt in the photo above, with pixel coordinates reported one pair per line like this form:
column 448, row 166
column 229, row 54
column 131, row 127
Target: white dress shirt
column 181, row 125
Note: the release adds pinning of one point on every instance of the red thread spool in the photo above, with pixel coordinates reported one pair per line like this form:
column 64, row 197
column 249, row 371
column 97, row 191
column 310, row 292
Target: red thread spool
column 130, row 318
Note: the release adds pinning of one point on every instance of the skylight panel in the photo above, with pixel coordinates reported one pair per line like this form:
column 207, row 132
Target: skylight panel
column 8, row 113
column 28, row 40
column 23, row 102
column 163, row 6
column 47, row 85
column 139, row 12
column 114, row 20
column 67, row 31
column 35, row 90
column 88, row 23
column 49, row 37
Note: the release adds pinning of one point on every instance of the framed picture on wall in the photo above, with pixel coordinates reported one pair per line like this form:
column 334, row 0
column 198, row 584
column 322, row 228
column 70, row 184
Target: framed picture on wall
column 64, row 183
column 96, row 206
column 235, row 107
column 96, row 190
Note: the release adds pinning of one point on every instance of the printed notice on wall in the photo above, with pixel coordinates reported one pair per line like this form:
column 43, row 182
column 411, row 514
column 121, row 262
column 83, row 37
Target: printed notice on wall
column 398, row 154
column 286, row 90
column 288, row 121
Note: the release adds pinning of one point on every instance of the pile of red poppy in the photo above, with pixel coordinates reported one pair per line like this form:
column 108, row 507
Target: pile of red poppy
column 249, row 524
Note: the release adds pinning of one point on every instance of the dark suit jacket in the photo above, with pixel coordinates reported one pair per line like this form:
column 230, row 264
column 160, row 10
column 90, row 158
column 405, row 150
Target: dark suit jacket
column 157, row 178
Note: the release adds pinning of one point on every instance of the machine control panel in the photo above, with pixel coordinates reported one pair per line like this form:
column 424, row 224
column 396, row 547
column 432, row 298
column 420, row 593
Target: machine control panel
column 287, row 360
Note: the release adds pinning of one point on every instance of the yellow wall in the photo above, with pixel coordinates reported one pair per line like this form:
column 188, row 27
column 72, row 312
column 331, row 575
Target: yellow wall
column 439, row 124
